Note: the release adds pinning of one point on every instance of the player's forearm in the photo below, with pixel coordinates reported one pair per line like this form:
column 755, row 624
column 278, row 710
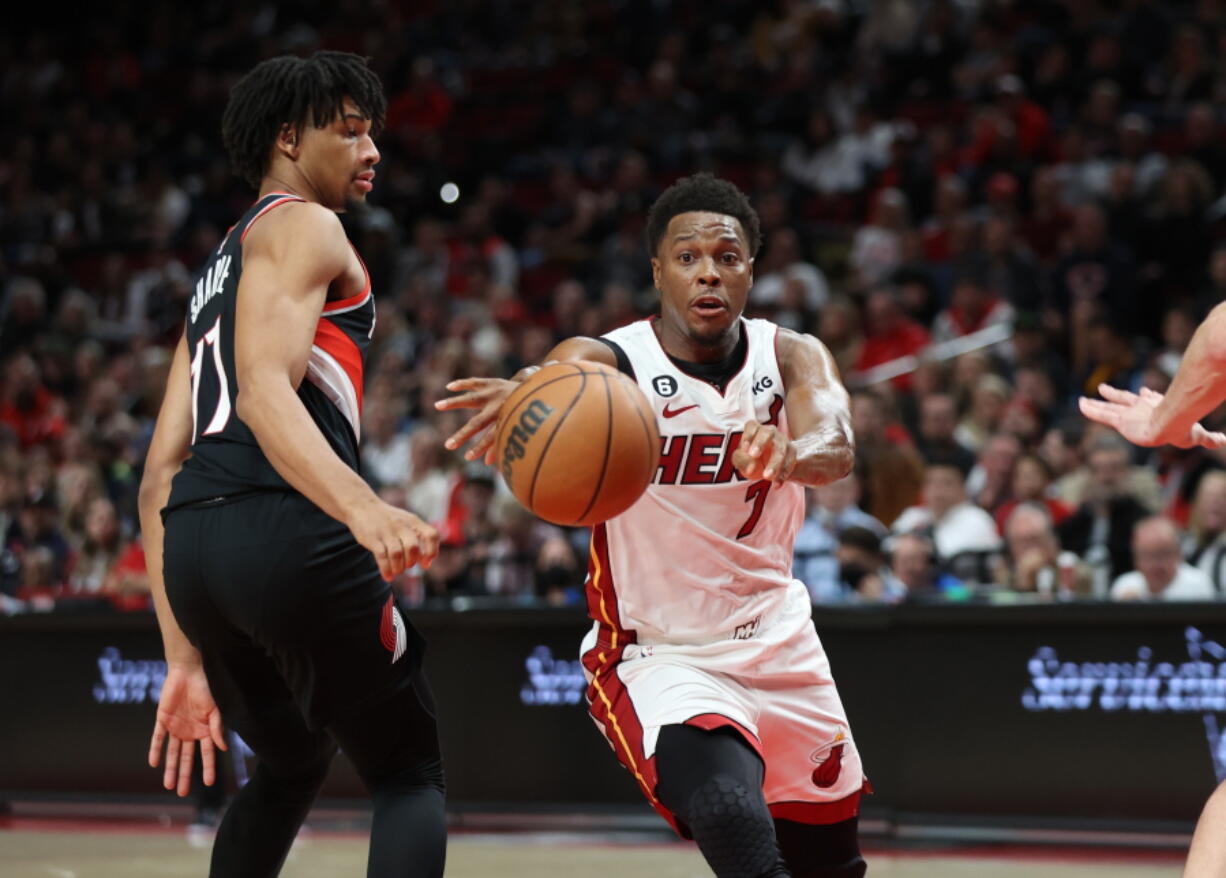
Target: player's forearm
column 822, row 457
column 296, row 448
column 154, row 492
column 1198, row 387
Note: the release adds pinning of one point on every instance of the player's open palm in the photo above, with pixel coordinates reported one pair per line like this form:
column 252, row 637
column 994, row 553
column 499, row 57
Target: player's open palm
column 187, row 713
column 396, row 537
column 764, row 453
column 1134, row 416
column 487, row 396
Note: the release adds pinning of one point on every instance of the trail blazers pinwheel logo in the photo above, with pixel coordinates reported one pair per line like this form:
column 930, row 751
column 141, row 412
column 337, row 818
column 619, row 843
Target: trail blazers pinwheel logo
column 1146, row 684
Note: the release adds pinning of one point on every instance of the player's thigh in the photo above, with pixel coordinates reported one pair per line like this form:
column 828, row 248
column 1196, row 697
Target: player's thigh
column 250, row 692
column 665, row 686
column 301, row 587
column 811, row 757
column 183, row 545
column 256, row 703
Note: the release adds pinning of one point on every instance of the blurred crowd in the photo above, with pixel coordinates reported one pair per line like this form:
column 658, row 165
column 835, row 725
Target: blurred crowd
column 984, row 209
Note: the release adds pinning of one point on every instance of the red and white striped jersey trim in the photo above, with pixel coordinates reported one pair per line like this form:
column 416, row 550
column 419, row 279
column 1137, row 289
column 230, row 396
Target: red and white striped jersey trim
column 330, row 377
column 340, row 306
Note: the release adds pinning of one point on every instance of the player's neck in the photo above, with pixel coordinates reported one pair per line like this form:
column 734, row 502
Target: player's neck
column 289, row 184
column 680, row 346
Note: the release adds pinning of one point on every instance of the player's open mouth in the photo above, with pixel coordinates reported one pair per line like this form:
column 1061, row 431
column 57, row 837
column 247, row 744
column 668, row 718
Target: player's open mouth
column 709, row 306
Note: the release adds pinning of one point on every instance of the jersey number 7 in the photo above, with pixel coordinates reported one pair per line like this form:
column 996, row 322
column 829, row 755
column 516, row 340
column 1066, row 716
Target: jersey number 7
column 757, row 493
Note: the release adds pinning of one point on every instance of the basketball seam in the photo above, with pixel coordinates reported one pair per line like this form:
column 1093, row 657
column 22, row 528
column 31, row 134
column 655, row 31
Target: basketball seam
column 507, row 420
column 608, row 444
column 540, row 461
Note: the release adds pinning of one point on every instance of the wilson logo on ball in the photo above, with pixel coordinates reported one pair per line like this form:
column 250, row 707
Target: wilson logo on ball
column 529, row 422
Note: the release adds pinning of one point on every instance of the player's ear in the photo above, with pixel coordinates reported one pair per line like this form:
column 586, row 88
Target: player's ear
column 288, row 141
column 655, row 271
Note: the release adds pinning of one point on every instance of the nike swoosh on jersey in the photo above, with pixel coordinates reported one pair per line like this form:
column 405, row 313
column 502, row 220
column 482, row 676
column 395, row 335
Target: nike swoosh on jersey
column 673, row 413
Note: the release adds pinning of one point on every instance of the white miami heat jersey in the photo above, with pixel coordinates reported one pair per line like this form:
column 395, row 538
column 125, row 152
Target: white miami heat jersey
column 704, row 555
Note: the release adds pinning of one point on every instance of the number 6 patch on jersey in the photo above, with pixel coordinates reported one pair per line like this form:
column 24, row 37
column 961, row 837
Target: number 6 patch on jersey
column 665, row 385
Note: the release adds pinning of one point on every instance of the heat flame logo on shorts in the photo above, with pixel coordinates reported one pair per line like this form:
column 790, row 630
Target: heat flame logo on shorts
column 826, row 775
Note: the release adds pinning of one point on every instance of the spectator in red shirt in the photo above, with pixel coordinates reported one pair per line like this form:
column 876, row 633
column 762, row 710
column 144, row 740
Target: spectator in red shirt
column 424, row 105
column 1049, row 218
column 1033, row 126
column 479, row 251
column 35, row 415
column 972, row 307
column 127, row 583
column 889, row 334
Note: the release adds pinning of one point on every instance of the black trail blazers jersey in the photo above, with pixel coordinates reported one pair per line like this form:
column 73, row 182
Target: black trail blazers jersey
column 225, row 458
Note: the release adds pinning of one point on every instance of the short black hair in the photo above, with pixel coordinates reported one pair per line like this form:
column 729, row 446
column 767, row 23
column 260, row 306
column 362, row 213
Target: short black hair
column 860, row 538
column 293, row 90
column 707, row 193
column 950, row 459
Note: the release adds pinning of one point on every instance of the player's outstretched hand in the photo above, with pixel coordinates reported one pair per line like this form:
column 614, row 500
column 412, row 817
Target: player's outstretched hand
column 764, row 453
column 187, row 713
column 397, row 538
column 487, row 396
column 1133, row 416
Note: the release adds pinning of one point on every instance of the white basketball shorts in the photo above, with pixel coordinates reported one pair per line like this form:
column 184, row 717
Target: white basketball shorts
column 774, row 687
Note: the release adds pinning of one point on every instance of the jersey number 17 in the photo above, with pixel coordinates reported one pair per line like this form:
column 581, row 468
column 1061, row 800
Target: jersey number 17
column 221, row 414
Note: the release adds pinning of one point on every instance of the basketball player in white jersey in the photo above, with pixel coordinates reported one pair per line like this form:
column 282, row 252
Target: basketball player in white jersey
column 1150, row 419
column 705, row 673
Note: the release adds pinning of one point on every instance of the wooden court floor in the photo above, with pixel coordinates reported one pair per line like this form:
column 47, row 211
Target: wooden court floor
column 66, row 851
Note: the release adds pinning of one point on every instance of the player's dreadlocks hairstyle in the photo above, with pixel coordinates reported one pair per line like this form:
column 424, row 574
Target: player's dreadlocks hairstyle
column 296, row 91
column 702, row 192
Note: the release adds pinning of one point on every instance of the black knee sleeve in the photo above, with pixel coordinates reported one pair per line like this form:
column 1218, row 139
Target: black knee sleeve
column 733, row 829
column 712, row 781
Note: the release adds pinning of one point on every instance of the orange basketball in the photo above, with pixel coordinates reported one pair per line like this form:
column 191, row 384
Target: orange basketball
column 577, row 443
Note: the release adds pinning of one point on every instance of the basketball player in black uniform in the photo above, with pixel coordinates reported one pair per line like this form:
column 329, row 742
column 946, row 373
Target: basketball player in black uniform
column 274, row 610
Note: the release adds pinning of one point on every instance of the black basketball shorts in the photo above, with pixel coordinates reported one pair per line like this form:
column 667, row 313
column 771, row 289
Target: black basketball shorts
column 269, row 577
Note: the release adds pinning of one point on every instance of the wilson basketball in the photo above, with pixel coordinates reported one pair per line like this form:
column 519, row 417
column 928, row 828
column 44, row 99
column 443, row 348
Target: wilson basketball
column 577, row 443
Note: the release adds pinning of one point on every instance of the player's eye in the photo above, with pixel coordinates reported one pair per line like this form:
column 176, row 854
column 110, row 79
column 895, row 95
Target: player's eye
column 686, row 257
column 731, row 258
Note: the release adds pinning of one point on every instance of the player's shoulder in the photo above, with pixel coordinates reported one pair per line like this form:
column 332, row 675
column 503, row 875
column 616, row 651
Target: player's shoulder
column 298, row 227
column 628, row 332
column 803, row 359
column 311, row 221
column 789, row 343
column 582, row 347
